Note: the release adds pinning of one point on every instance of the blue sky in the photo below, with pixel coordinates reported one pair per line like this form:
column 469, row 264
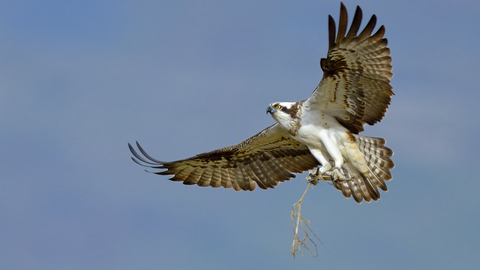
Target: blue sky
column 81, row 79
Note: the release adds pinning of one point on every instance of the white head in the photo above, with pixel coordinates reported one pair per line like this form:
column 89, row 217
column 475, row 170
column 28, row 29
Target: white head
column 285, row 113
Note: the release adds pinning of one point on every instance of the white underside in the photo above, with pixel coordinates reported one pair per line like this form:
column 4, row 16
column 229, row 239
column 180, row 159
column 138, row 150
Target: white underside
column 330, row 143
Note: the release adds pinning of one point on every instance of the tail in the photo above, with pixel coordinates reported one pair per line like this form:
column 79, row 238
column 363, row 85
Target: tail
column 365, row 185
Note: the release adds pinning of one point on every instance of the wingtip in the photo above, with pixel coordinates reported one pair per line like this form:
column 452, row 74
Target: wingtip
column 150, row 161
column 148, row 156
column 130, row 147
column 342, row 23
column 331, row 32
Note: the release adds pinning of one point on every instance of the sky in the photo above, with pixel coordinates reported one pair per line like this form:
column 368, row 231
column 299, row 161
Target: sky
column 81, row 79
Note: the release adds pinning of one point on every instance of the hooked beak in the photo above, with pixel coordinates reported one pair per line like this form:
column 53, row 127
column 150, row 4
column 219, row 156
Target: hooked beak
column 270, row 110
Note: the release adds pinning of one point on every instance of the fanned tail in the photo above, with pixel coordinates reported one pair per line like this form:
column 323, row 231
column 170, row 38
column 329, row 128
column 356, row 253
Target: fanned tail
column 379, row 162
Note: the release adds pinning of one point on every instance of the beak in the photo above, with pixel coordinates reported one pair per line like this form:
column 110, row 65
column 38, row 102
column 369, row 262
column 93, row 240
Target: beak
column 270, row 110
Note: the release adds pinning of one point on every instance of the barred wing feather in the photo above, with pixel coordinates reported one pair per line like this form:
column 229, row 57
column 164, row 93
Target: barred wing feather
column 355, row 88
column 265, row 159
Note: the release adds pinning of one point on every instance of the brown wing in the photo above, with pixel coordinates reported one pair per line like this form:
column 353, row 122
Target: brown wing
column 266, row 158
column 355, row 88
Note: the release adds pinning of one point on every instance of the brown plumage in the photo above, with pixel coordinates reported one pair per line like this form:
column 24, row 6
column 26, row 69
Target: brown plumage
column 357, row 73
column 265, row 159
column 377, row 156
column 355, row 89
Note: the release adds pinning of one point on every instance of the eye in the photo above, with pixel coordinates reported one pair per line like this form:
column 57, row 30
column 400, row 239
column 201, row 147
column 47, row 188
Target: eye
column 278, row 106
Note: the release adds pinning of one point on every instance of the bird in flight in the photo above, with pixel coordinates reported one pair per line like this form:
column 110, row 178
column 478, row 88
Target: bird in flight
column 320, row 132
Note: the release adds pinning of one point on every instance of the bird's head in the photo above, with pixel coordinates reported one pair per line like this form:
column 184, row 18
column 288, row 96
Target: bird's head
column 282, row 112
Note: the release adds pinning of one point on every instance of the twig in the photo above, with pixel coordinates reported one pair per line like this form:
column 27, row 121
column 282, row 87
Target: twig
column 305, row 224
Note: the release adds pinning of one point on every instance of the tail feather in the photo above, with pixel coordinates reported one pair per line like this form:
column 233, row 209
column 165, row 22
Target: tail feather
column 357, row 194
column 378, row 181
column 379, row 162
column 343, row 186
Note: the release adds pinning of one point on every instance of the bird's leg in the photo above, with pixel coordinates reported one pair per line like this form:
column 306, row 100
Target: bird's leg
column 325, row 169
column 338, row 175
column 331, row 144
column 322, row 173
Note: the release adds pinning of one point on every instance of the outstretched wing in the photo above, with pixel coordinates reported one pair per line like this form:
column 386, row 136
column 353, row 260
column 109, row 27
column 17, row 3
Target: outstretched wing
column 355, row 88
column 266, row 158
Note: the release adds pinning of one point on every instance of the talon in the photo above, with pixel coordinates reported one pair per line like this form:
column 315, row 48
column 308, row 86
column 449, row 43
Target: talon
column 326, row 176
column 337, row 175
column 313, row 173
column 313, row 180
column 314, row 176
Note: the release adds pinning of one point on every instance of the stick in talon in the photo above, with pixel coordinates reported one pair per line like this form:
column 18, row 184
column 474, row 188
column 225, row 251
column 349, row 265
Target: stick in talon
column 313, row 177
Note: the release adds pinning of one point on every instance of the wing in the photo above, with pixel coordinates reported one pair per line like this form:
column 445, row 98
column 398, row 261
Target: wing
column 266, row 158
column 355, row 88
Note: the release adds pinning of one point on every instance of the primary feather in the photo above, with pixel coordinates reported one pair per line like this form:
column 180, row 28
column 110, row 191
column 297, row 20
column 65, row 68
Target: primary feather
column 265, row 159
column 321, row 130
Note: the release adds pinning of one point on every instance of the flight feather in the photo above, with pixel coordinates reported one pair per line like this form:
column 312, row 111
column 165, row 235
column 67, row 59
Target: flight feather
column 265, row 159
column 355, row 87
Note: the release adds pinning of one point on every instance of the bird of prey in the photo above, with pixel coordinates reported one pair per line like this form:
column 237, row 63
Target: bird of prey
column 321, row 131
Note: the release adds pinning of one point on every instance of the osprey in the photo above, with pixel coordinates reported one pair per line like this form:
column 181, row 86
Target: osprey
column 319, row 131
